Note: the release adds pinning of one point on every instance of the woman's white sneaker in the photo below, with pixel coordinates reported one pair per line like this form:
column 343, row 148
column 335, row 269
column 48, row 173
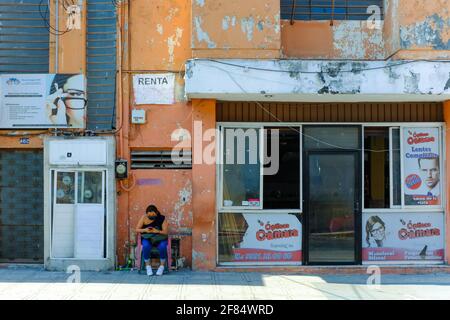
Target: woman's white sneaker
column 149, row 270
column 160, row 271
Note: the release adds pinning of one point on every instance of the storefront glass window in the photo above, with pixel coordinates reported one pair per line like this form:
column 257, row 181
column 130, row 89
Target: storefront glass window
column 65, row 188
column 376, row 167
column 382, row 168
column 90, row 187
column 241, row 168
column 260, row 237
column 396, row 168
column 282, row 177
column 331, row 137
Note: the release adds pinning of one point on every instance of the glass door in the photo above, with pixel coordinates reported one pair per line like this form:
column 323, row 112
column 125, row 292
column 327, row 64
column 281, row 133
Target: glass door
column 332, row 207
column 79, row 214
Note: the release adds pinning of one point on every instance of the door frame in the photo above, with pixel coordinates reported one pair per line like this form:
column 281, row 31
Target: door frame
column 53, row 185
column 358, row 196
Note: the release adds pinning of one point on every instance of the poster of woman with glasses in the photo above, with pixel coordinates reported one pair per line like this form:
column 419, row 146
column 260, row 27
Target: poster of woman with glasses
column 42, row 101
column 66, row 103
column 403, row 236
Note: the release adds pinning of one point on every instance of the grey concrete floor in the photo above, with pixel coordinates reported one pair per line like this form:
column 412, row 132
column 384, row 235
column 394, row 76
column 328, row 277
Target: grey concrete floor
column 35, row 283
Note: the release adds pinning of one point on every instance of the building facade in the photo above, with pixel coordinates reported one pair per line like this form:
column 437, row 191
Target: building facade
column 306, row 132
column 57, row 145
column 343, row 88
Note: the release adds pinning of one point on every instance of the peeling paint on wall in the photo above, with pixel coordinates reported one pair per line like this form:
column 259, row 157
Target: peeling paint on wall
column 352, row 40
column 247, row 26
column 173, row 41
column 159, row 28
column 227, row 21
column 201, row 34
column 412, row 83
column 184, row 199
column 432, row 32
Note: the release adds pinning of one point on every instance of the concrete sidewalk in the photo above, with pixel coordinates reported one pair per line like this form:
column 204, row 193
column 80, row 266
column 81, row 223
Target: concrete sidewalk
column 35, row 283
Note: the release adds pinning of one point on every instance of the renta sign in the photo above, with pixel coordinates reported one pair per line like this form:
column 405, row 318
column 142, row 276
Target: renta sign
column 154, row 88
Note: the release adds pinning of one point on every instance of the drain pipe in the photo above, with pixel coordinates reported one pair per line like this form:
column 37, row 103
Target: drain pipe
column 56, row 37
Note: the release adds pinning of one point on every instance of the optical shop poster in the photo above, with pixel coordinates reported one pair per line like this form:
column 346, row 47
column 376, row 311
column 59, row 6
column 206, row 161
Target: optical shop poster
column 42, row 101
column 270, row 238
column 403, row 236
column 421, row 166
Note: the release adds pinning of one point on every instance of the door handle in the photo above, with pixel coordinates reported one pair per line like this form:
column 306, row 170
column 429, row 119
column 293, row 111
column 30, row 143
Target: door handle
column 356, row 206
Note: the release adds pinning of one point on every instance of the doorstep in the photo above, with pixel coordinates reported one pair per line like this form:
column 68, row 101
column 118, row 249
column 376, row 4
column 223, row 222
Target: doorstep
column 15, row 266
column 344, row 270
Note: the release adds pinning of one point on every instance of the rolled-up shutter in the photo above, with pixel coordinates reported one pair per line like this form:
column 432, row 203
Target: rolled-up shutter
column 101, row 64
column 24, row 38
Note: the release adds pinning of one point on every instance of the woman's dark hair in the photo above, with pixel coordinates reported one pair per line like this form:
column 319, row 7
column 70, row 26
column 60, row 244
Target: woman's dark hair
column 369, row 226
column 152, row 208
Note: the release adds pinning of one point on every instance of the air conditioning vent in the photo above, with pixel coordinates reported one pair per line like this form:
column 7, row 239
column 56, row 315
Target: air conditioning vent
column 161, row 159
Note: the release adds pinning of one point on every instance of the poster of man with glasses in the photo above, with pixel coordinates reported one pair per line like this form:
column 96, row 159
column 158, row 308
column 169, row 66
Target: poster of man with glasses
column 43, row 101
column 421, row 167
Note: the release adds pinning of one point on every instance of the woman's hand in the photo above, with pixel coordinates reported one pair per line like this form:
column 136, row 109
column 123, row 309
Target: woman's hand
column 153, row 230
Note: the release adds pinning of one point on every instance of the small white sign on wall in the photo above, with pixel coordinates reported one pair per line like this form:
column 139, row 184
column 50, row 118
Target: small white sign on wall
column 154, row 88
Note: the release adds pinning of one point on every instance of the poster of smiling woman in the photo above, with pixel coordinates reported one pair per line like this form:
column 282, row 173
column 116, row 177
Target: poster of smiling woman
column 403, row 236
column 422, row 172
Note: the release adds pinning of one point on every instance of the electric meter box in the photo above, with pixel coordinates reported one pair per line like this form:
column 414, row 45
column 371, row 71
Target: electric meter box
column 138, row 116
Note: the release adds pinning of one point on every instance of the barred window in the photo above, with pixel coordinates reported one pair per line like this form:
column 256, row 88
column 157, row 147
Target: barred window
column 329, row 9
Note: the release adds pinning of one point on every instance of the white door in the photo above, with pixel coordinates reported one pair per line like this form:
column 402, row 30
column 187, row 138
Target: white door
column 78, row 214
column 90, row 215
column 64, row 194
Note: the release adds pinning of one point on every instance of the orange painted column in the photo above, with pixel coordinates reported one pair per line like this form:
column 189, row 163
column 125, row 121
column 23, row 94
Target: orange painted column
column 204, row 236
column 447, row 167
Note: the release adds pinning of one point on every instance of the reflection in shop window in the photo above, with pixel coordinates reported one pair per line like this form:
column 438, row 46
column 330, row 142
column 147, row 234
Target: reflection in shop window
column 232, row 228
column 65, row 188
column 282, row 189
column 331, row 137
column 382, row 167
column 396, row 168
column 241, row 168
column 90, row 187
column 260, row 237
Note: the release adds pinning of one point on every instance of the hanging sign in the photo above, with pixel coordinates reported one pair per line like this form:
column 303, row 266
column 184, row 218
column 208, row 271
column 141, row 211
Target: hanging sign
column 421, row 160
column 42, row 101
column 154, row 88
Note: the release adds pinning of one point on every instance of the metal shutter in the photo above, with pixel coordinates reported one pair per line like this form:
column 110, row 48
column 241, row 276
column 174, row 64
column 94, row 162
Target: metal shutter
column 328, row 9
column 329, row 112
column 21, row 206
column 24, row 39
column 101, row 64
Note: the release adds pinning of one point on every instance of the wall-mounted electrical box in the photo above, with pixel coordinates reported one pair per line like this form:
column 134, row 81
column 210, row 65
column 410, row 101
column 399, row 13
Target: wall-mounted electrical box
column 138, row 116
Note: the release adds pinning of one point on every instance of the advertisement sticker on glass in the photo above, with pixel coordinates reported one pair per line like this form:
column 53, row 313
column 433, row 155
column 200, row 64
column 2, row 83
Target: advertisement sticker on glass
column 421, row 156
column 403, row 236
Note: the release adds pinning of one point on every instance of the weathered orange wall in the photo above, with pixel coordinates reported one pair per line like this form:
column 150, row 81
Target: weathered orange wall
column 72, row 44
column 159, row 34
column 236, row 29
column 171, row 191
column 320, row 40
column 204, row 236
column 156, row 39
column 412, row 29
